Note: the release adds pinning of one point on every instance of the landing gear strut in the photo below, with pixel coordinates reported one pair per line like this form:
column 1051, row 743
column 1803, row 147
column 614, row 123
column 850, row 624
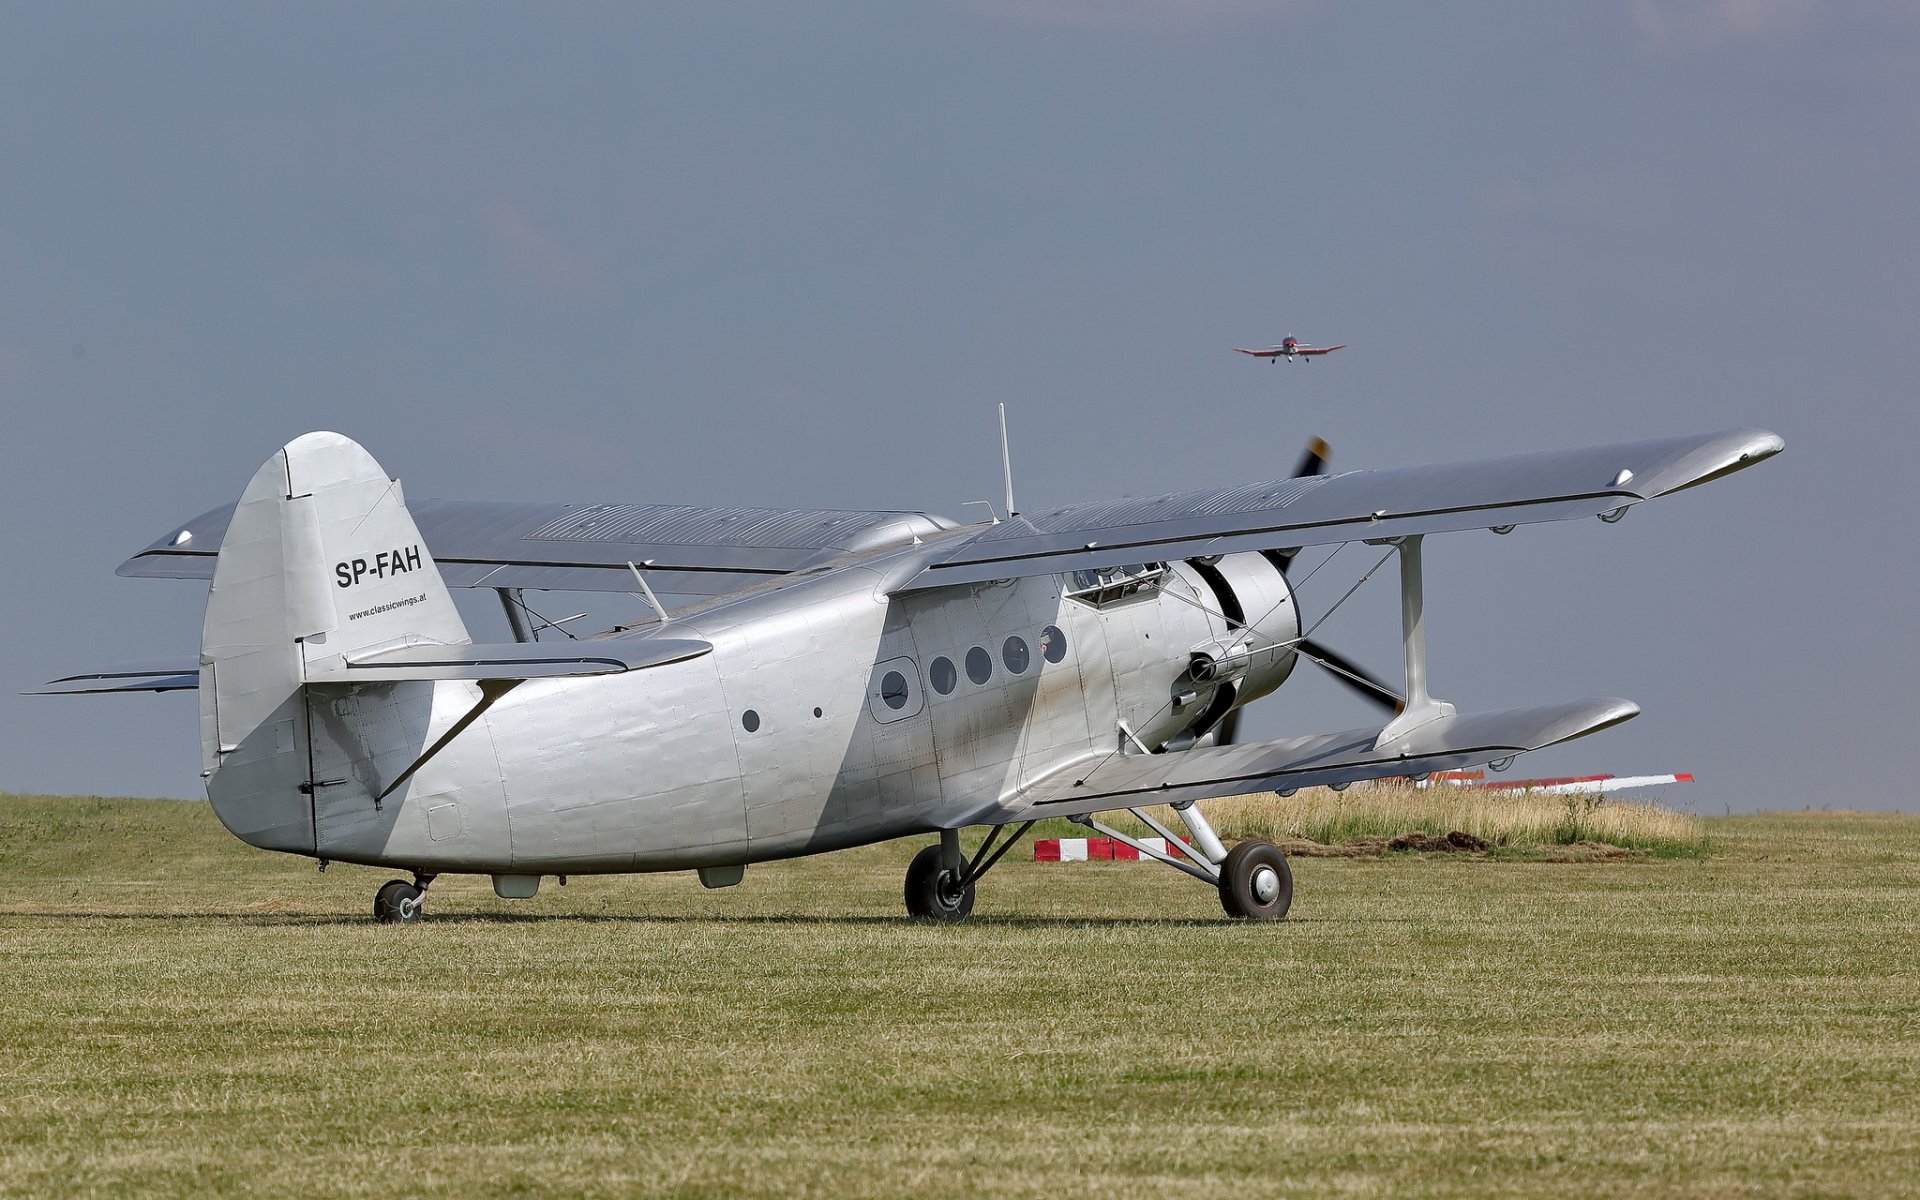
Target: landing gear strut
column 1254, row 880
column 940, row 882
column 399, row 902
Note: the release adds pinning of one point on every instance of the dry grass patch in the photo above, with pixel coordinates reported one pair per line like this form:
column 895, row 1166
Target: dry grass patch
column 1374, row 814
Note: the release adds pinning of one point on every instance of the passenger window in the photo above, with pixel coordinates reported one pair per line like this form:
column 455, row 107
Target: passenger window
column 893, row 690
column 942, row 675
column 979, row 664
column 750, row 720
column 1053, row 644
column 1014, row 654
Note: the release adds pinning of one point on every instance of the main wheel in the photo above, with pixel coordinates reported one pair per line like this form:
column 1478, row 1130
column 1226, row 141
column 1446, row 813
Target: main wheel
column 1255, row 882
column 398, row 902
column 932, row 891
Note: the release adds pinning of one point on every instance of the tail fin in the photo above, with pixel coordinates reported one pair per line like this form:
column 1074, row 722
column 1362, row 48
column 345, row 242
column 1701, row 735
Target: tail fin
column 321, row 560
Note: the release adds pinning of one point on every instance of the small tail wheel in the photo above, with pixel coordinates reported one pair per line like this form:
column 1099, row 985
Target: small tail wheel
column 1255, row 882
column 399, row 902
column 933, row 891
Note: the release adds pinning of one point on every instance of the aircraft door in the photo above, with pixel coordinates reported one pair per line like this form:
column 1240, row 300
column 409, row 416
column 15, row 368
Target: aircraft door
column 1092, row 661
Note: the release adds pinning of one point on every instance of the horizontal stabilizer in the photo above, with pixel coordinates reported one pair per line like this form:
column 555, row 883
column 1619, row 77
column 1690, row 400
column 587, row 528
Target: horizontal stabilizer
column 1446, row 744
column 514, row 660
column 154, row 675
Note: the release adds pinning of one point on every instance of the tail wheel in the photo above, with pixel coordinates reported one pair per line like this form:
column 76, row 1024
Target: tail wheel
column 1255, row 882
column 398, row 902
column 933, row 891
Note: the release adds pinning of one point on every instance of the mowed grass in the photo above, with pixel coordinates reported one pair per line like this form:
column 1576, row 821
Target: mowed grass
column 182, row 1015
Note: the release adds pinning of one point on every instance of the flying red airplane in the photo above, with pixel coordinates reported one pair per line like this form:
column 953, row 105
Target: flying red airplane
column 1290, row 347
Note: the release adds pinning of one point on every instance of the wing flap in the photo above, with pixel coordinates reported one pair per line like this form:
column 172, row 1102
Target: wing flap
column 1317, row 760
column 1357, row 505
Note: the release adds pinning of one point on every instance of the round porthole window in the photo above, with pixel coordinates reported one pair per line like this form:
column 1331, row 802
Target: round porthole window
column 979, row 664
column 942, row 675
column 749, row 720
column 1053, row 644
column 1014, row 654
column 893, row 690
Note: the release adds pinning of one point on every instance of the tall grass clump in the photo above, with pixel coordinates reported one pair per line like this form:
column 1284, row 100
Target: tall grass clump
column 1503, row 818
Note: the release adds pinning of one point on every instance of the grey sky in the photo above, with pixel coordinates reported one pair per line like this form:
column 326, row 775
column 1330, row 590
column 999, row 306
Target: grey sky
column 793, row 254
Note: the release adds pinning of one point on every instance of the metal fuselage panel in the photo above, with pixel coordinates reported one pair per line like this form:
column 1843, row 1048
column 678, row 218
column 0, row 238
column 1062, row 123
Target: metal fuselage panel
column 871, row 718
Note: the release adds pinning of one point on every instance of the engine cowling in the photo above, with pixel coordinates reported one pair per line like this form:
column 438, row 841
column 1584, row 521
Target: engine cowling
column 1253, row 595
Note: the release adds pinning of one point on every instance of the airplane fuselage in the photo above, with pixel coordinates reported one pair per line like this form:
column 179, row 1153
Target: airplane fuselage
column 826, row 716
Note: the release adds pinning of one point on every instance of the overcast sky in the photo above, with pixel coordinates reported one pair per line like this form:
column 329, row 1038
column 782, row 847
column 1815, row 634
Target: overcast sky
column 792, row 255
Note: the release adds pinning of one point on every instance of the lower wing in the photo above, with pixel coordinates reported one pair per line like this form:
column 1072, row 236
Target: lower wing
column 1447, row 744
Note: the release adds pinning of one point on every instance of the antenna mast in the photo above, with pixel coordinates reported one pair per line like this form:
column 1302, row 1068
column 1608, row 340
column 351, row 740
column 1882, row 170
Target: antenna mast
column 1006, row 464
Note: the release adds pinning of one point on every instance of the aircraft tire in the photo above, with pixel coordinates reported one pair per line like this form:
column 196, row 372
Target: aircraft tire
column 930, row 892
column 398, row 903
column 1256, row 884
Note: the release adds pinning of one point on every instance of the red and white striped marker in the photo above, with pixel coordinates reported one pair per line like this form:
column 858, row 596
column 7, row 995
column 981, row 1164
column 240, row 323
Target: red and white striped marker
column 1093, row 849
column 1561, row 786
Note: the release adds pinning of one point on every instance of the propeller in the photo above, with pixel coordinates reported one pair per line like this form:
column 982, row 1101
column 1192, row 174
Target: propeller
column 1313, row 461
column 1370, row 687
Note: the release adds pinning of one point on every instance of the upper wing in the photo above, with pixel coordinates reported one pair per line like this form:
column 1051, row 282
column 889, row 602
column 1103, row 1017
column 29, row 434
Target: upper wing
column 1325, row 509
column 686, row 551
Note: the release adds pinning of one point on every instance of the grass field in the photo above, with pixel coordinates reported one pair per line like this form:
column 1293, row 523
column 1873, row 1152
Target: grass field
column 182, row 1015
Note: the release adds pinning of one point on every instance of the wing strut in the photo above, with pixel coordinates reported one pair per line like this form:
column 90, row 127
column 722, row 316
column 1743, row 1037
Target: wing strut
column 490, row 691
column 516, row 614
column 1421, row 707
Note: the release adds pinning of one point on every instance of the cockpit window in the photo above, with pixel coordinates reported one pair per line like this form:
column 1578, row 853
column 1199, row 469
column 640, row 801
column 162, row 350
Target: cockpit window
column 1109, row 585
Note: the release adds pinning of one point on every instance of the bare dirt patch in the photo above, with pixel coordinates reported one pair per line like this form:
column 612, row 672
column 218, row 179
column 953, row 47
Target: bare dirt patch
column 1454, row 842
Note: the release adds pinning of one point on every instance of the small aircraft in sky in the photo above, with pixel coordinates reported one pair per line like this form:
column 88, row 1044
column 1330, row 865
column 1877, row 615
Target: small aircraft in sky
column 842, row 677
column 1289, row 349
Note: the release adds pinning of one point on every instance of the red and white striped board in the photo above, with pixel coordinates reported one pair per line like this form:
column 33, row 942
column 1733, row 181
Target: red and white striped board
column 1093, row 849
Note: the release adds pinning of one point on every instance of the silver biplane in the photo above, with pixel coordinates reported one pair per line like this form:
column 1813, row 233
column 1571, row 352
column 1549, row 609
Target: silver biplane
column 848, row 678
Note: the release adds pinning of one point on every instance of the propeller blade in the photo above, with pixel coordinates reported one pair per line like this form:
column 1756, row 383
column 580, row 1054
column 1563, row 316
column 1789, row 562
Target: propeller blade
column 1228, row 728
column 1314, row 460
column 1354, row 675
